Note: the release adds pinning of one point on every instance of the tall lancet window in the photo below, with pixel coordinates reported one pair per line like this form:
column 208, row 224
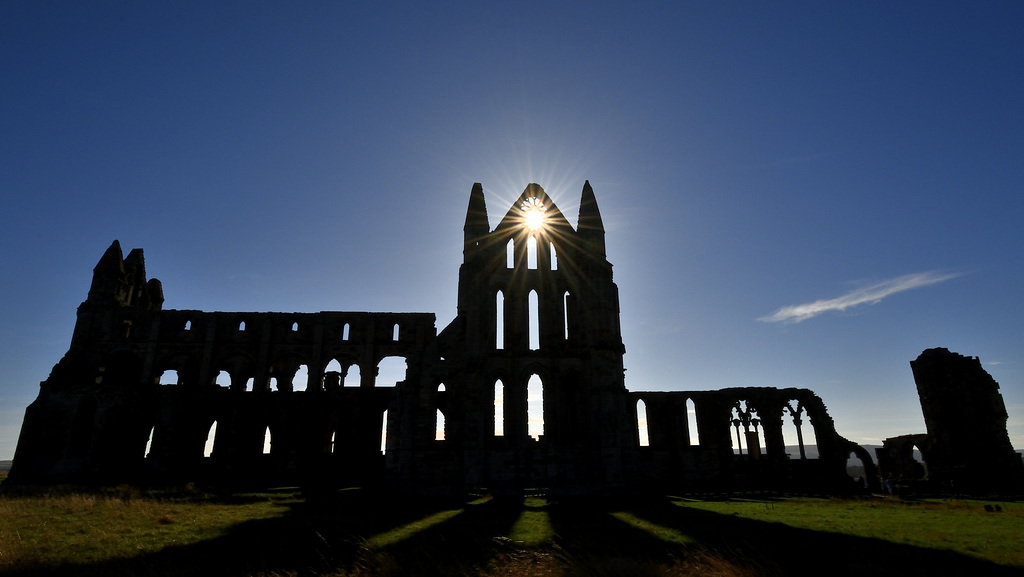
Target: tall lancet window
column 535, row 407
column 534, row 321
column 499, row 408
column 641, row 423
column 499, row 321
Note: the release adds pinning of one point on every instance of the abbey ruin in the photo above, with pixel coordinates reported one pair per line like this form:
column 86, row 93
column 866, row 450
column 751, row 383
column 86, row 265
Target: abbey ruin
column 523, row 391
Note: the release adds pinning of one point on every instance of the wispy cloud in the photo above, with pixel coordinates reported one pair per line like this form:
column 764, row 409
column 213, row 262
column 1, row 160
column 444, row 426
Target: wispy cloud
column 870, row 295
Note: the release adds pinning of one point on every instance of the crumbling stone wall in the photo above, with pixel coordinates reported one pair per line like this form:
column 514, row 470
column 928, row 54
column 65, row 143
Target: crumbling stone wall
column 716, row 460
column 104, row 400
column 967, row 448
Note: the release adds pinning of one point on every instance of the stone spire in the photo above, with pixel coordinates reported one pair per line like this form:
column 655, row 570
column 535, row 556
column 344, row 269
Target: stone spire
column 591, row 226
column 477, row 227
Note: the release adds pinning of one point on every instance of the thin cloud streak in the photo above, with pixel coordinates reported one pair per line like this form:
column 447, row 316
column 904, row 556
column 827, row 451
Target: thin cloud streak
column 867, row 295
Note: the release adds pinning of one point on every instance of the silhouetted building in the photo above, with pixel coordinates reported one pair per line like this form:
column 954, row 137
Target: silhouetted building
column 524, row 390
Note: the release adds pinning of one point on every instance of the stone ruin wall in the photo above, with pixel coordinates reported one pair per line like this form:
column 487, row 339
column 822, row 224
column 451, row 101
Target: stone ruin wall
column 108, row 414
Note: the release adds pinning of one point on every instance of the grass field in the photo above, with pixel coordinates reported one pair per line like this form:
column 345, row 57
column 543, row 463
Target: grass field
column 355, row 533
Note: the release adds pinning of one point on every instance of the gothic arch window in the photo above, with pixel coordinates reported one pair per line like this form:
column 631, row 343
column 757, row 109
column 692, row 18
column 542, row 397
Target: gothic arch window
column 439, row 428
column 211, row 438
column 352, row 378
column 345, row 332
column 534, row 320
column 798, row 431
column 188, row 325
column 499, row 408
column 499, row 321
column 746, row 425
column 394, row 333
column 691, row 423
column 510, row 254
column 531, row 252
column 565, row 314
column 241, row 326
column 268, row 441
column 295, row 327
column 391, row 371
column 642, row 428
column 439, row 425
column 535, row 407
column 331, row 376
column 554, row 257
column 384, row 433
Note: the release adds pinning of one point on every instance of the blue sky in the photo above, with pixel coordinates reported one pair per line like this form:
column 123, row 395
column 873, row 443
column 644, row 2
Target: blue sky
column 796, row 194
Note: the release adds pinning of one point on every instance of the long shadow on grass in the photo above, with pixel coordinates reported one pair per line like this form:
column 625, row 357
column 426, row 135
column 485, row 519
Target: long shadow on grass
column 355, row 532
column 765, row 548
column 325, row 535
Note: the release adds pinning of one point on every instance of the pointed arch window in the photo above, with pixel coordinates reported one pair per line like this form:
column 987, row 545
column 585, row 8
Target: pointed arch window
column 566, row 301
column 149, row 443
column 391, row 370
column 351, row 376
column 535, row 407
column 439, row 425
column 691, row 422
column 267, row 441
column 554, row 257
column 211, row 437
column 510, row 254
column 499, row 408
column 531, row 252
column 534, row 321
column 439, row 429
column 796, row 433
column 746, row 422
column 499, row 321
column 643, row 431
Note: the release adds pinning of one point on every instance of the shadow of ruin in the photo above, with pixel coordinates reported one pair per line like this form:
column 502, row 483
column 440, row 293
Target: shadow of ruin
column 523, row 391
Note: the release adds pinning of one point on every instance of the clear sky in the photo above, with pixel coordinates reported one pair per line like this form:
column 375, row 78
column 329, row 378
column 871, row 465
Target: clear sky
column 796, row 194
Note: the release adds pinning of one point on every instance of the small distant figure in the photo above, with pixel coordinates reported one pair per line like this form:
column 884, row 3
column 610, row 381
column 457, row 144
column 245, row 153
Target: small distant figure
column 889, row 485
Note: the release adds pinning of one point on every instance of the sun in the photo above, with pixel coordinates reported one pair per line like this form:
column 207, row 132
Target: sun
column 533, row 213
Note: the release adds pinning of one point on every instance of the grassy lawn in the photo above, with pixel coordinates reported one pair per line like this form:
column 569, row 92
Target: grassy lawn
column 961, row 526
column 356, row 533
